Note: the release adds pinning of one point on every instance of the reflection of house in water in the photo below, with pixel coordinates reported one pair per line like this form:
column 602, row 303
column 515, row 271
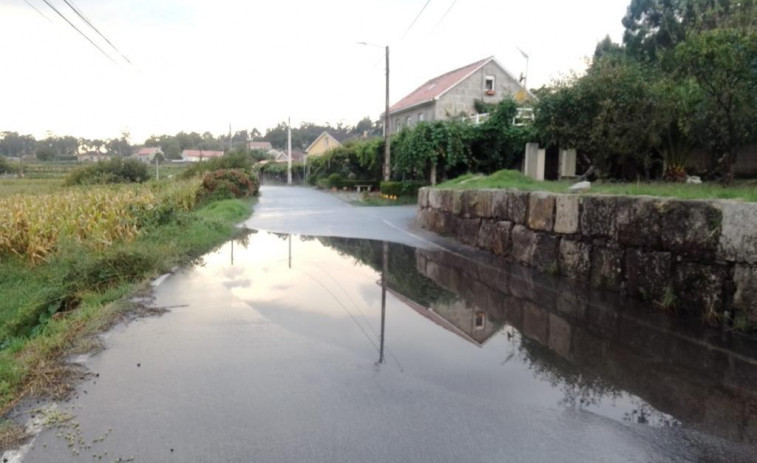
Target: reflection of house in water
column 458, row 317
column 594, row 344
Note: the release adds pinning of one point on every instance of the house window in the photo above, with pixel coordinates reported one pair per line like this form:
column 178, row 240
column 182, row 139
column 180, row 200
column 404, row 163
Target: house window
column 326, row 141
column 479, row 323
column 489, row 84
column 408, row 120
column 421, row 117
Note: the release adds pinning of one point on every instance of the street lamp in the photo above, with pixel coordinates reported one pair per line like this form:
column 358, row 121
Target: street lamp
column 387, row 148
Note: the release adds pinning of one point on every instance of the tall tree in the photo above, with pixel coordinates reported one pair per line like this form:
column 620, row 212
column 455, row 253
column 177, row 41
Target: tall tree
column 653, row 28
column 724, row 64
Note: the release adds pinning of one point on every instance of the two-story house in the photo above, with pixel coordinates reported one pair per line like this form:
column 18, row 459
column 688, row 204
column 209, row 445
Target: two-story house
column 454, row 94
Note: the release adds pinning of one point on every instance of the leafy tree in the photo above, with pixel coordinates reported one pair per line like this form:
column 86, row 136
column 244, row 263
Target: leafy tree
column 655, row 27
column 13, row 144
column 430, row 149
column 610, row 115
column 496, row 143
column 724, row 64
column 5, row 166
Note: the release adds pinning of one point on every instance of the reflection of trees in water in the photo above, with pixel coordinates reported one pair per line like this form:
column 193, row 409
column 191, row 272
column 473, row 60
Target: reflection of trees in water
column 403, row 276
column 580, row 388
column 242, row 237
column 643, row 413
column 583, row 389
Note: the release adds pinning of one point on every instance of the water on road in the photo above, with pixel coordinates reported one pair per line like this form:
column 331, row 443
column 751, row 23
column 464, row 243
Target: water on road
column 287, row 348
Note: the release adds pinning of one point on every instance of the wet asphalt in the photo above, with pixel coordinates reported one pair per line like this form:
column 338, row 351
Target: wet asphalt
column 268, row 353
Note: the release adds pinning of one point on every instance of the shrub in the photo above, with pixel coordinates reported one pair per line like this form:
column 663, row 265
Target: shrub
column 405, row 188
column 6, row 167
column 234, row 160
column 277, row 171
column 113, row 171
column 334, row 181
column 322, row 183
column 228, row 183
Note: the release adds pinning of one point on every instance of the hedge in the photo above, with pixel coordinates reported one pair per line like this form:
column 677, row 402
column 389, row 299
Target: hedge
column 405, row 188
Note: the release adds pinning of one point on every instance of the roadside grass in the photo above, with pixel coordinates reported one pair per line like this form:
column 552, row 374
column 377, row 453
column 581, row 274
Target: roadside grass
column 741, row 190
column 51, row 310
column 378, row 201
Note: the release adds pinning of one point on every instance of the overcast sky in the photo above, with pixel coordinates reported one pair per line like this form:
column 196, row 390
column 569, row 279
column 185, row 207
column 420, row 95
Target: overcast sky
column 204, row 64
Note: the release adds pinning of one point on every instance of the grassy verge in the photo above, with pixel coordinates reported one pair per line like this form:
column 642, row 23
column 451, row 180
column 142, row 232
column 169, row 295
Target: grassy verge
column 375, row 201
column 51, row 310
column 745, row 191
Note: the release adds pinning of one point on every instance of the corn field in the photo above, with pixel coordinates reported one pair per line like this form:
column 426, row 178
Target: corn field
column 33, row 226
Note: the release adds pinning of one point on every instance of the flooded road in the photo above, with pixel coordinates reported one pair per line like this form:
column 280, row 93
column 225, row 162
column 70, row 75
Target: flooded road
column 273, row 353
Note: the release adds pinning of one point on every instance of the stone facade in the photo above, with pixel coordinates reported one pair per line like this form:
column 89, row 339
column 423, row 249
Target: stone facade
column 699, row 257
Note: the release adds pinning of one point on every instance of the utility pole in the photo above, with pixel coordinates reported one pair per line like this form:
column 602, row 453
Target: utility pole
column 387, row 148
column 289, row 151
column 387, row 138
column 157, row 168
column 384, row 273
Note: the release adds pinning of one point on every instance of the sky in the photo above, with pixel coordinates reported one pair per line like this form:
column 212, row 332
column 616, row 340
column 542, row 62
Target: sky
column 202, row 65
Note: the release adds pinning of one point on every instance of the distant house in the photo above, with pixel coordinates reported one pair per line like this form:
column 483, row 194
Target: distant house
column 282, row 156
column 147, row 155
column 454, row 94
column 199, row 155
column 260, row 145
column 93, row 156
column 323, row 143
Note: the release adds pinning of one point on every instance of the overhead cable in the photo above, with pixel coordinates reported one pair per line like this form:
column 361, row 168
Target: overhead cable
column 444, row 16
column 89, row 23
column 37, row 10
column 79, row 31
column 416, row 19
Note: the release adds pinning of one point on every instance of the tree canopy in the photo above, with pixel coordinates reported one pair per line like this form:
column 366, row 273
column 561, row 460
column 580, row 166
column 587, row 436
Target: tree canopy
column 685, row 77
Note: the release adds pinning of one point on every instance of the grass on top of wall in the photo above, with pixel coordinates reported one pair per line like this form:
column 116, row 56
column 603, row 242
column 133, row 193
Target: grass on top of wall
column 745, row 190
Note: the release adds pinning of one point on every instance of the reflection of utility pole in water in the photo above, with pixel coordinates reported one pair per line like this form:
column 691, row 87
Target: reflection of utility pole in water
column 232, row 253
column 290, row 251
column 384, row 273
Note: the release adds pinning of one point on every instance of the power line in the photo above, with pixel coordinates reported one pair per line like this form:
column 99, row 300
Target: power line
column 443, row 16
column 86, row 20
column 80, row 32
column 416, row 19
column 37, row 10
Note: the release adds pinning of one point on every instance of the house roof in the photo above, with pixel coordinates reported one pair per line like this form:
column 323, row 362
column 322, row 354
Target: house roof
column 148, row 152
column 201, row 153
column 282, row 156
column 321, row 136
column 260, row 145
column 437, row 86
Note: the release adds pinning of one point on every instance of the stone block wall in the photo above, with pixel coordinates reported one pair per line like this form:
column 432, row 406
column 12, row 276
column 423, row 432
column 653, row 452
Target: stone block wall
column 705, row 382
column 699, row 257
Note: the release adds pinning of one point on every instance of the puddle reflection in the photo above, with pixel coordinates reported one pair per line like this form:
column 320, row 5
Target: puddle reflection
column 498, row 331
